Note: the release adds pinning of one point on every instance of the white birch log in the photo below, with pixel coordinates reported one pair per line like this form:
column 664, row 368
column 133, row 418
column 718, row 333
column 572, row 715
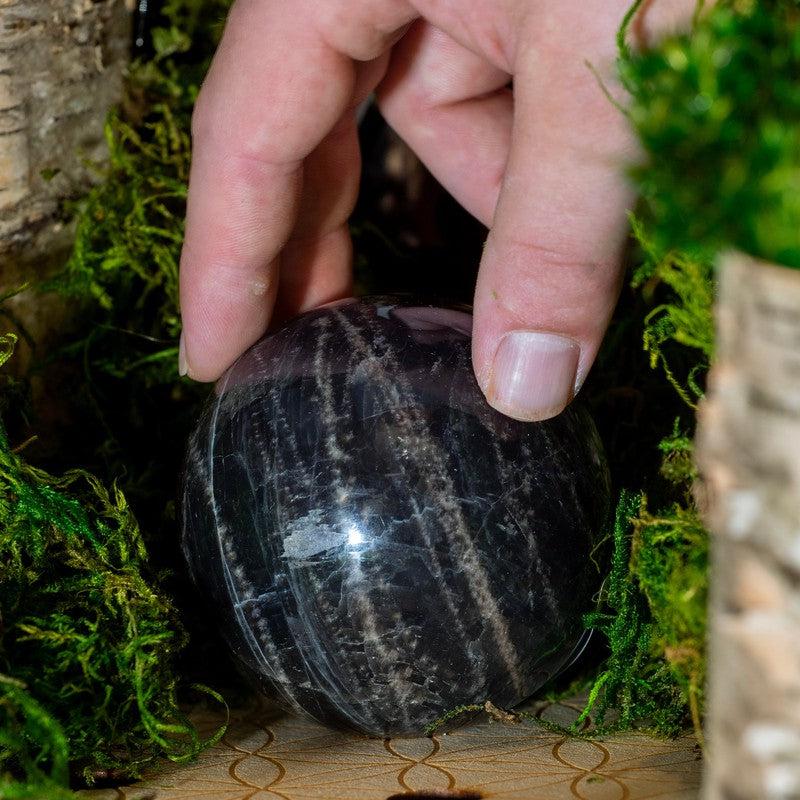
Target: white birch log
column 61, row 70
column 61, row 67
column 749, row 453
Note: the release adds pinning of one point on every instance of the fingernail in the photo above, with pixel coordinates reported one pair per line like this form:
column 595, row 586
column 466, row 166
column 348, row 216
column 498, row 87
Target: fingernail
column 533, row 374
column 183, row 364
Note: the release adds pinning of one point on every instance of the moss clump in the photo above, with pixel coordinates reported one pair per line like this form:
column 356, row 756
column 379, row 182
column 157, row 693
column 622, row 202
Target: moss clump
column 679, row 329
column 718, row 114
column 634, row 682
column 653, row 607
column 670, row 565
column 87, row 643
column 124, row 263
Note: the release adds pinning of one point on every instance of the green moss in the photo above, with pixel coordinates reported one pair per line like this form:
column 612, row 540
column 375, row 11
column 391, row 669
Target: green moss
column 670, row 566
column 679, row 329
column 130, row 226
column 88, row 643
column 653, row 608
column 718, row 115
column 34, row 753
column 634, row 687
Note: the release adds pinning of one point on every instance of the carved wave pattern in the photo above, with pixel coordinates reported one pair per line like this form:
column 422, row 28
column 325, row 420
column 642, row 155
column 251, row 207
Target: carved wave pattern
column 267, row 754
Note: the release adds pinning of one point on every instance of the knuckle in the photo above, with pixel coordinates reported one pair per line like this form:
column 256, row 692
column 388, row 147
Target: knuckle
column 575, row 289
column 365, row 32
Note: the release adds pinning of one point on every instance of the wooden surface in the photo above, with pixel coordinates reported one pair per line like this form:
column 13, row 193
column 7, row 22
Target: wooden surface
column 266, row 754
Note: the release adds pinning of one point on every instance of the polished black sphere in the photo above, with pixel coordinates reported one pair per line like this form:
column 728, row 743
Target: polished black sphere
column 380, row 546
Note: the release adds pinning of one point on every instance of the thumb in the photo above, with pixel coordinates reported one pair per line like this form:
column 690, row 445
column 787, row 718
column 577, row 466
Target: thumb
column 551, row 269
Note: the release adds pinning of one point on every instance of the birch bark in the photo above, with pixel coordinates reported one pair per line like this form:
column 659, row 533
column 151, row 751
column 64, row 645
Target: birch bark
column 61, row 67
column 749, row 453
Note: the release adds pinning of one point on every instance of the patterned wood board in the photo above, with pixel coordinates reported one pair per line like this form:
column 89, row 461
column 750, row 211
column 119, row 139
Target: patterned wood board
column 267, row 755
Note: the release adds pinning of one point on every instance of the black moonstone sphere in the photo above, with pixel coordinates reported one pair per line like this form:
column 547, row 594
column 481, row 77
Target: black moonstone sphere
column 379, row 544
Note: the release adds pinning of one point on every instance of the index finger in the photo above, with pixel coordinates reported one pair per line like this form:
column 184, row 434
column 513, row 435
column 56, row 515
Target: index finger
column 274, row 90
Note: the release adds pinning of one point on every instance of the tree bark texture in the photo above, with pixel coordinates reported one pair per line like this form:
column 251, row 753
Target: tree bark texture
column 61, row 70
column 749, row 453
column 61, row 67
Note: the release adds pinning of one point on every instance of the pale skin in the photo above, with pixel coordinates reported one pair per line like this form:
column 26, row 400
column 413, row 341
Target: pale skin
column 276, row 166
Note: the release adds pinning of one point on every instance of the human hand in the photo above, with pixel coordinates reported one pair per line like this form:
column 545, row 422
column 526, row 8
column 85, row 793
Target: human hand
column 276, row 166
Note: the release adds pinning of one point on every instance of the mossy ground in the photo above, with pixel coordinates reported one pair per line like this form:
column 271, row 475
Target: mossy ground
column 90, row 584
